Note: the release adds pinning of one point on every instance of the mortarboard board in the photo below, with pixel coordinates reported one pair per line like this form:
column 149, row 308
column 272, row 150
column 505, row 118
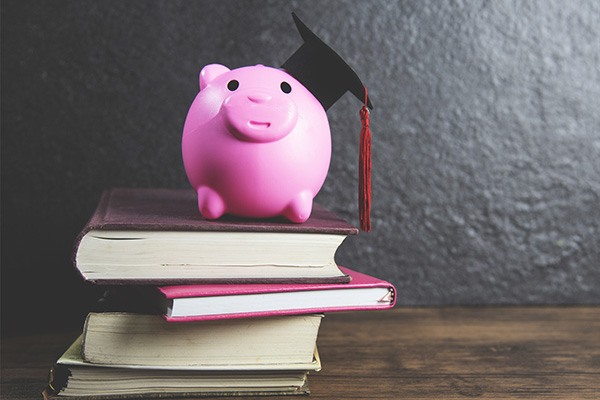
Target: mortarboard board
column 321, row 70
column 328, row 77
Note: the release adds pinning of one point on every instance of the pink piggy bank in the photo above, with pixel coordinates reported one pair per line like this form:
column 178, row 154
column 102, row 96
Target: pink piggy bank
column 256, row 143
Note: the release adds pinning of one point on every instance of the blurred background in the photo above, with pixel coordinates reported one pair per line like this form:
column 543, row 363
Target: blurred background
column 486, row 136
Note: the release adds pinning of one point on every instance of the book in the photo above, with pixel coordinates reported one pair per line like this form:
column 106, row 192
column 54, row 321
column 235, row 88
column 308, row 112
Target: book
column 145, row 340
column 222, row 301
column 73, row 377
column 157, row 236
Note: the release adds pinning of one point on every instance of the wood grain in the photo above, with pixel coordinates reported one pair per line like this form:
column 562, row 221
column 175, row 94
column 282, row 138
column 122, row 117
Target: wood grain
column 411, row 353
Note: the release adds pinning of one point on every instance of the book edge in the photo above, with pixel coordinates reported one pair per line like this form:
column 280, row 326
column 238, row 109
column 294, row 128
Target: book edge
column 200, row 281
column 357, row 280
column 75, row 354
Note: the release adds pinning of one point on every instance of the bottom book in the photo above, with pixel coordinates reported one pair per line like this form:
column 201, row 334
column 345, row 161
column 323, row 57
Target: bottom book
column 73, row 378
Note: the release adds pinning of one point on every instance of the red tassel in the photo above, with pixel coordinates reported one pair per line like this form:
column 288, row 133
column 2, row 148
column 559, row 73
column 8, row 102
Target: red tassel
column 365, row 167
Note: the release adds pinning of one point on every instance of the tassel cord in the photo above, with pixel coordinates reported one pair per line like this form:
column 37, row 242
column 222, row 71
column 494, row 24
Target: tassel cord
column 365, row 167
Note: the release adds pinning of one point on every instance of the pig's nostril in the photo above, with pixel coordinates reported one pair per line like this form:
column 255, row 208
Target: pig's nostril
column 259, row 97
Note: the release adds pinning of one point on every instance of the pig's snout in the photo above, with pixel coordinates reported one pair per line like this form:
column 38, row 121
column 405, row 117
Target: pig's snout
column 259, row 97
column 260, row 116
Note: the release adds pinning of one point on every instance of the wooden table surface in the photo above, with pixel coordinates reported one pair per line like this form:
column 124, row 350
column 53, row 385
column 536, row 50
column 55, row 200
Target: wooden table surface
column 409, row 353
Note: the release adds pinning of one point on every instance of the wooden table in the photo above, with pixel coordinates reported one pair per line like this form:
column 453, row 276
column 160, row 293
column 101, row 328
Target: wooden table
column 419, row 353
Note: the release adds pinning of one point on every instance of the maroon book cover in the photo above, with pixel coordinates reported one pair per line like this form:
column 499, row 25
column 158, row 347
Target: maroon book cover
column 127, row 209
column 177, row 210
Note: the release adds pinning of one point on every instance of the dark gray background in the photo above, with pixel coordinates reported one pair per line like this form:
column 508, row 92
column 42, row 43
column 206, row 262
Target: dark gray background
column 486, row 136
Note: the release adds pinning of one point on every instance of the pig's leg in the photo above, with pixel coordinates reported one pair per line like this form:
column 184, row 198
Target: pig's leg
column 298, row 210
column 210, row 203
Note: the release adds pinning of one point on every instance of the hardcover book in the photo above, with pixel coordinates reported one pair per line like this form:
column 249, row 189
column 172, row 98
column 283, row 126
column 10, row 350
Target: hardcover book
column 222, row 301
column 74, row 378
column 149, row 341
column 157, row 236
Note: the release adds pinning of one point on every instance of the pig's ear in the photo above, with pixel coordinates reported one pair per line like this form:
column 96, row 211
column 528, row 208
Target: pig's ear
column 210, row 72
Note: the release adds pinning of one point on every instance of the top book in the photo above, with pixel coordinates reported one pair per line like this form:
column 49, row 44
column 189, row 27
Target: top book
column 157, row 236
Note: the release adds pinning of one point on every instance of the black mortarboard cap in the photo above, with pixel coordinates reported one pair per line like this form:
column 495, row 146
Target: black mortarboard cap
column 321, row 70
column 327, row 76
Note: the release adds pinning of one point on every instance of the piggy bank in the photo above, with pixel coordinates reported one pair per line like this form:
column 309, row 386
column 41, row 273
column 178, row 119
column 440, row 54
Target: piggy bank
column 256, row 143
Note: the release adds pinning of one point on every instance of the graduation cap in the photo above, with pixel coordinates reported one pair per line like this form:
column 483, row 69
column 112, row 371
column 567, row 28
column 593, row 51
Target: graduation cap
column 328, row 77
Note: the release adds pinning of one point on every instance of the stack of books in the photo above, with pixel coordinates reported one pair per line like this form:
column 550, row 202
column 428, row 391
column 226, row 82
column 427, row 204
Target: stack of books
column 196, row 307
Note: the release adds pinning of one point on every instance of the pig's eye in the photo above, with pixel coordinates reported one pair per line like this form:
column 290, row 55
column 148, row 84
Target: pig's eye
column 285, row 87
column 232, row 85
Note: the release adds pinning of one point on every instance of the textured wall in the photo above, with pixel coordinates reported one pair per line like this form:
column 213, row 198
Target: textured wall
column 486, row 135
